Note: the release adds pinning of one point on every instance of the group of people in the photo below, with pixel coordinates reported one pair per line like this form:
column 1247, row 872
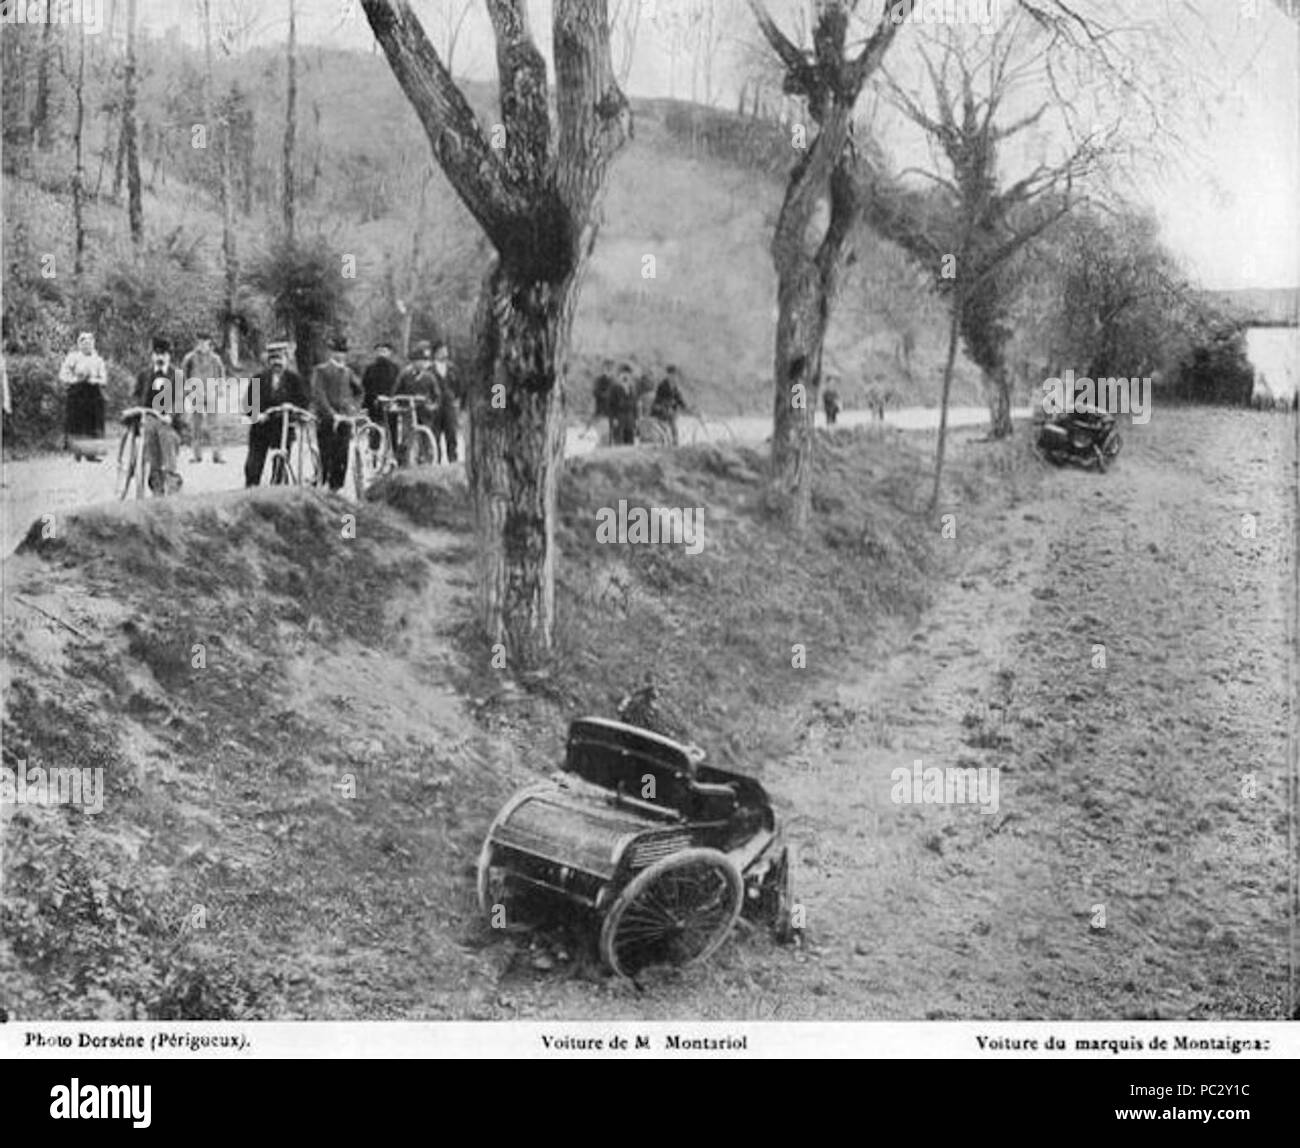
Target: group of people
column 619, row 393
column 333, row 395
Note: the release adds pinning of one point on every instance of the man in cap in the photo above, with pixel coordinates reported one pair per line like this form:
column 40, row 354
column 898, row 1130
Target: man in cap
column 204, row 364
column 278, row 384
column 155, row 388
column 419, row 380
column 335, row 392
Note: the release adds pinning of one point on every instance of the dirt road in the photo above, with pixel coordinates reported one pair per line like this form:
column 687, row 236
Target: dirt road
column 55, row 484
column 1120, row 650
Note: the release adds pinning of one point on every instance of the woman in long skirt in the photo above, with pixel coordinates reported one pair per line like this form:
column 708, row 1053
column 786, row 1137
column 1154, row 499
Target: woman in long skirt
column 84, row 374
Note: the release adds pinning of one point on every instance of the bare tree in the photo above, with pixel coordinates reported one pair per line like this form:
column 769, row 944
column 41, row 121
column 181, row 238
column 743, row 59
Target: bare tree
column 78, row 82
column 41, row 111
column 130, row 133
column 538, row 200
column 220, row 126
column 624, row 25
column 815, row 227
column 290, row 121
column 452, row 15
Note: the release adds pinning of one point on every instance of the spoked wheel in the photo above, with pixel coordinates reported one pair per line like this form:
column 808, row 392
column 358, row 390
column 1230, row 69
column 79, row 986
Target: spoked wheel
column 651, row 430
column 279, row 470
column 125, row 463
column 677, row 911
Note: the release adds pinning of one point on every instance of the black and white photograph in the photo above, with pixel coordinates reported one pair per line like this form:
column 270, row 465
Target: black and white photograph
column 550, row 518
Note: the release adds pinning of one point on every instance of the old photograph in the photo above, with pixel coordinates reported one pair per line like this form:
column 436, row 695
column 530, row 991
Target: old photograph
column 650, row 510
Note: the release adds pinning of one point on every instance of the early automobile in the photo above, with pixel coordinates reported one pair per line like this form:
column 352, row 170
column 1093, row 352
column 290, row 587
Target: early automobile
column 664, row 851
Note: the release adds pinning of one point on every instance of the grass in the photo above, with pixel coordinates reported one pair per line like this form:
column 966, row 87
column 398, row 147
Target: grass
column 332, row 662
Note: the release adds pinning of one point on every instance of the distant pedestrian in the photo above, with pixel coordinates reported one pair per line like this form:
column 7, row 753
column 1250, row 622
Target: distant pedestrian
column 446, row 423
column 668, row 401
column 831, row 402
column 204, row 364
column 624, row 407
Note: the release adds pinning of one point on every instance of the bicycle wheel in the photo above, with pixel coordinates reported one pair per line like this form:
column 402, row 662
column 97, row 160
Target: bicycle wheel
column 125, row 463
column 279, row 469
column 358, row 470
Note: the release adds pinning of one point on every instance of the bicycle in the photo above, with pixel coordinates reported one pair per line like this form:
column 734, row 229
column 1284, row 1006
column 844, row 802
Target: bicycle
column 406, row 410
column 284, row 472
column 130, row 453
column 368, row 462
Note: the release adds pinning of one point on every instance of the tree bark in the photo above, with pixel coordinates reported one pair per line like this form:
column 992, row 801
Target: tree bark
column 954, row 336
column 41, row 112
column 539, row 204
column 135, row 200
column 999, row 398
column 79, row 175
column 229, row 254
column 290, row 124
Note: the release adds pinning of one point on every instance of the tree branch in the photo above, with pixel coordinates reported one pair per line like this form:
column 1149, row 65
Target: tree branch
column 457, row 140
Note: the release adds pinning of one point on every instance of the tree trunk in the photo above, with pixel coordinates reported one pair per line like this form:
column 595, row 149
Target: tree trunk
column 79, row 176
column 230, row 256
column 41, row 112
column 290, row 124
column 514, row 456
column 999, row 397
column 539, row 204
column 807, row 267
column 800, row 334
column 135, row 200
column 954, row 335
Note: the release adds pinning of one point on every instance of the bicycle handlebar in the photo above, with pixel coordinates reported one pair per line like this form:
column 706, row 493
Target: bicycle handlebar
column 288, row 408
column 393, row 400
column 136, row 412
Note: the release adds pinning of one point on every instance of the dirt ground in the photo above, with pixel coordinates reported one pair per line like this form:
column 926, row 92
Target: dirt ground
column 1119, row 647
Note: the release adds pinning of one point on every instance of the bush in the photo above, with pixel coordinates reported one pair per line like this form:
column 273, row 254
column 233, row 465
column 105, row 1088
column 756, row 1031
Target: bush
column 1216, row 371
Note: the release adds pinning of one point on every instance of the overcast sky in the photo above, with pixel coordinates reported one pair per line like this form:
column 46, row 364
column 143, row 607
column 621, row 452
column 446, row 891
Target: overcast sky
column 1230, row 207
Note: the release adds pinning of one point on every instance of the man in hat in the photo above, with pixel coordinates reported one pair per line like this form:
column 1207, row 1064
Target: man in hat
column 379, row 380
column 204, row 364
column 155, row 388
column 279, row 384
column 419, row 379
column 335, row 392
